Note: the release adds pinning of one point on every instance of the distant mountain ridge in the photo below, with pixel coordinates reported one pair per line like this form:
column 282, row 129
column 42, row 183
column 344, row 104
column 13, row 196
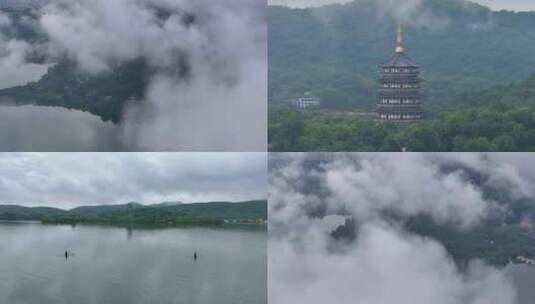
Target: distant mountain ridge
column 220, row 210
column 334, row 50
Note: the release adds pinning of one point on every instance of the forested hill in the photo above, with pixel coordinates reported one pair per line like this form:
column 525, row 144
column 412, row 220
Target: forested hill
column 499, row 118
column 65, row 85
column 201, row 212
column 334, row 50
column 518, row 93
column 104, row 94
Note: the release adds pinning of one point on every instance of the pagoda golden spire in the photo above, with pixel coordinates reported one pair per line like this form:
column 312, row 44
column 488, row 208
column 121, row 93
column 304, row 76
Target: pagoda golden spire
column 399, row 41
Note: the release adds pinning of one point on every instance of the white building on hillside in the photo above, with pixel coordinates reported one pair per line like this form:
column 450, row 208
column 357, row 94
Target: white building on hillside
column 306, row 101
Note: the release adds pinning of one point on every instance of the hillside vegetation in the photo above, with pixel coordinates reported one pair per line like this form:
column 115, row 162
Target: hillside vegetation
column 211, row 213
column 334, row 50
column 105, row 94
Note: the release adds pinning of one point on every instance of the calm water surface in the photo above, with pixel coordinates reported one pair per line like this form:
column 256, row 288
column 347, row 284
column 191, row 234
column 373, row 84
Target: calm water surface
column 51, row 129
column 523, row 277
column 116, row 265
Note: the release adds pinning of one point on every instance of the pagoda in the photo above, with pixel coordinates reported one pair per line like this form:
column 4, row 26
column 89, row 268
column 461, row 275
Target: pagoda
column 399, row 98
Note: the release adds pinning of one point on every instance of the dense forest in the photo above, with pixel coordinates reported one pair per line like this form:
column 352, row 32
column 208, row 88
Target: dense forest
column 134, row 217
column 501, row 118
column 165, row 214
column 478, row 92
column 334, row 51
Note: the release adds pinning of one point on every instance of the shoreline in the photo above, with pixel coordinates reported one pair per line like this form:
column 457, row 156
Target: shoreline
column 144, row 226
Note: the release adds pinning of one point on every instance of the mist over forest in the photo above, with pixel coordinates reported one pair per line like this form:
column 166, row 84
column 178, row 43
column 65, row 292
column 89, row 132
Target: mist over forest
column 186, row 93
column 432, row 227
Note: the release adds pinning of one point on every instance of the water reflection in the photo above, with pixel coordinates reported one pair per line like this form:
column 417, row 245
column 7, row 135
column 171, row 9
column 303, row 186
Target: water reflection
column 147, row 266
column 33, row 128
column 523, row 277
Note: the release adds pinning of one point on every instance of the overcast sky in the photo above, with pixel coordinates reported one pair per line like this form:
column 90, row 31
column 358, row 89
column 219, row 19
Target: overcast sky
column 71, row 179
column 518, row 5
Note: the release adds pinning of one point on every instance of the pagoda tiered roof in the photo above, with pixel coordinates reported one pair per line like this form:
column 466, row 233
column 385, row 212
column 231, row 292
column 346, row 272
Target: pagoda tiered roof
column 400, row 60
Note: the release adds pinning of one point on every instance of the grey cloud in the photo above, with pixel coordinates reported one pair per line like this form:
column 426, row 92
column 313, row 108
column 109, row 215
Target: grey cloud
column 515, row 5
column 366, row 185
column 13, row 64
column 307, row 265
column 385, row 266
column 220, row 101
column 69, row 179
column 208, row 88
column 305, row 3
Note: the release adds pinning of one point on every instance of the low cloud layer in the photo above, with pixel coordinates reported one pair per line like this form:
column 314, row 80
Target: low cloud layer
column 72, row 179
column 384, row 267
column 208, row 86
column 415, row 13
column 13, row 59
column 307, row 190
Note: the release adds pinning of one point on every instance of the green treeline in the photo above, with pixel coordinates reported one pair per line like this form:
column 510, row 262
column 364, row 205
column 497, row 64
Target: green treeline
column 135, row 214
column 134, row 217
column 334, row 51
column 501, row 126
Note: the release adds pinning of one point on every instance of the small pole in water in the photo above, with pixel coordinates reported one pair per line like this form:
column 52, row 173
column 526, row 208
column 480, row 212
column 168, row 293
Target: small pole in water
column 66, row 254
column 195, row 256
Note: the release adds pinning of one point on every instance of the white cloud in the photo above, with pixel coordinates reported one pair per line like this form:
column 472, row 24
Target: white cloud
column 366, row 185
column 69, row 179
column 218, row 103
column 13, row 64
column 305, row 3
column 307, row 265
column 385, row 266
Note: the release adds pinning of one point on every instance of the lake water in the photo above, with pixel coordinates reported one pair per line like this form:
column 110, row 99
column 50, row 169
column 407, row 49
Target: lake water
column 117, row 265
column 523, row 277
column 34, row 128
